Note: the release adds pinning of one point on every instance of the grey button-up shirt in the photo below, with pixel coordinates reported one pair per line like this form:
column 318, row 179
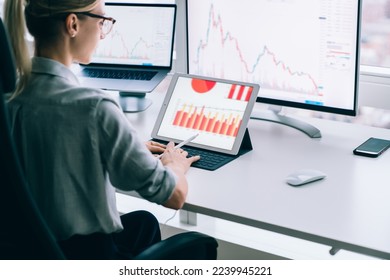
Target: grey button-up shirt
column 75, row 144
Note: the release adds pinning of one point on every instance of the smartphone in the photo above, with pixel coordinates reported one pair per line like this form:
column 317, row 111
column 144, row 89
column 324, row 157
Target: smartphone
column 373, row 147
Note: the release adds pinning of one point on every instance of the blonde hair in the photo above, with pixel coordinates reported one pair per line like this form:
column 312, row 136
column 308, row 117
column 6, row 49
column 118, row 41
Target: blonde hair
column 41, row 19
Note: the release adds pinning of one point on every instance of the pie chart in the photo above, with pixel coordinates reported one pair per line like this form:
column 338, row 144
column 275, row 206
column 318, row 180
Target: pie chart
column 202, row 86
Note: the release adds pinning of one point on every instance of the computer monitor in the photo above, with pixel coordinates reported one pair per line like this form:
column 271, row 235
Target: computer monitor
column 303, row 53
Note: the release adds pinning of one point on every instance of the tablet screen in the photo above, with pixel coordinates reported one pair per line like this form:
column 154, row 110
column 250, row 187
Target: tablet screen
column 218, row 110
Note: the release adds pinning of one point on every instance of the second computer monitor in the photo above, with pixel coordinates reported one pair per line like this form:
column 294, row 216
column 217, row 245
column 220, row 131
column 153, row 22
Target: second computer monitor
column 303, row 53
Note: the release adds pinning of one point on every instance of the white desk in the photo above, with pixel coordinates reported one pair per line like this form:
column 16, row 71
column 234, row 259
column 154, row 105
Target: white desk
column 349, row 210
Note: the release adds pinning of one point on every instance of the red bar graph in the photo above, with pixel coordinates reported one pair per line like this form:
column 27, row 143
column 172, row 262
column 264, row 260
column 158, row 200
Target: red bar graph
column 214, row 122
column 239, row 92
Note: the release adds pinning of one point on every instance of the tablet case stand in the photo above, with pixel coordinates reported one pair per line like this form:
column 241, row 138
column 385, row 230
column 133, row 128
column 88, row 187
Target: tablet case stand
column 246, row 144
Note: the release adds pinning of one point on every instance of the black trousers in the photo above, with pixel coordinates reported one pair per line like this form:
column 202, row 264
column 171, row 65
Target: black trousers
column 141, row 230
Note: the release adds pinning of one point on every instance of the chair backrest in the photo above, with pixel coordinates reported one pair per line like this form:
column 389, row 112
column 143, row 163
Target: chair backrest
column 7, row 65
column 23, row 233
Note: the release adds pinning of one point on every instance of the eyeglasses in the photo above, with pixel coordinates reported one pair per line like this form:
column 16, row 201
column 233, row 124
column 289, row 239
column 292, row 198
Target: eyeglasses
column 107, row 24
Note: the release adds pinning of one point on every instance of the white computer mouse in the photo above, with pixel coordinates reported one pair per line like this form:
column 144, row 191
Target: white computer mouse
column 304, row 176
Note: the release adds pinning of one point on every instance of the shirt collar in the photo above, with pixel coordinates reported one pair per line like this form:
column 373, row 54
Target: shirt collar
column 53, row 67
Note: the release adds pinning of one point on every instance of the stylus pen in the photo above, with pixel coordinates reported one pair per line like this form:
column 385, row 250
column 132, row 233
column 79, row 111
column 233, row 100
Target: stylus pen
column 181, row 144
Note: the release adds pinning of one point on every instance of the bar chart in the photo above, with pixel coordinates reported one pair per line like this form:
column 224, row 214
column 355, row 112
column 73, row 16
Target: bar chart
column 211, row 120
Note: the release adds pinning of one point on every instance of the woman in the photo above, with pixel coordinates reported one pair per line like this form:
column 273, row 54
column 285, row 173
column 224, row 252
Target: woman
column 75, row 142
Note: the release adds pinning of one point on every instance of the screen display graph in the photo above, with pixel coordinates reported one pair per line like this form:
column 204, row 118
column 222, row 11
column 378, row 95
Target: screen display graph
column 142, row 35
column 303, row 53
column 212, row 109
column 210, row 120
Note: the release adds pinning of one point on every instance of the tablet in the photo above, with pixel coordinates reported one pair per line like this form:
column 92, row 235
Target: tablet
column 216, row 109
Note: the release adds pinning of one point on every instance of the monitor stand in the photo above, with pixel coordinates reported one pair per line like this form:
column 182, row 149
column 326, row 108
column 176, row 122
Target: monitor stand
column 273, row 115
column 133, row 102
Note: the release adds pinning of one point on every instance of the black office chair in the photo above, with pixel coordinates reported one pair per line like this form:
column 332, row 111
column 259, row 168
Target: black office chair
column 23, row 232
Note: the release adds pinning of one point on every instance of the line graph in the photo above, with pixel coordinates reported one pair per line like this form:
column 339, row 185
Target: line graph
column 142, row 35
column 263, row 65
column 121, row 47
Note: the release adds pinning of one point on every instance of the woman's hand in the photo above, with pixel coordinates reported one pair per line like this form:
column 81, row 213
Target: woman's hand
column 155, row 147
column 177, row 158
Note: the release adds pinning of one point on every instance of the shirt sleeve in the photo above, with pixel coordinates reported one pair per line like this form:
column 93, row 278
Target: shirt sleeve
column 130, row 165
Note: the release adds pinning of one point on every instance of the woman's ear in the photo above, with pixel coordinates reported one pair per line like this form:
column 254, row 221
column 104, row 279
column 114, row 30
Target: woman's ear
column 72, row 25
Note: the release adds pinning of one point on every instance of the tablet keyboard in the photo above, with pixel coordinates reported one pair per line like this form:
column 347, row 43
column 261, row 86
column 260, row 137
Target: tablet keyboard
column 208, row 160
